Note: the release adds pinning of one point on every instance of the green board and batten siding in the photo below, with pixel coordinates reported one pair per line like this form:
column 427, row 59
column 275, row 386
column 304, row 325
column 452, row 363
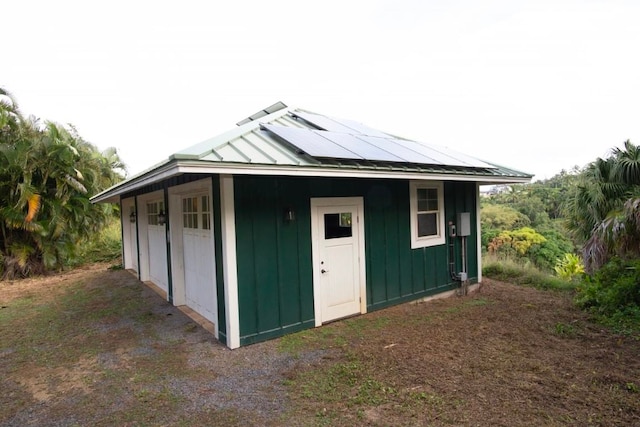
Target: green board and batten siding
column 275, row 286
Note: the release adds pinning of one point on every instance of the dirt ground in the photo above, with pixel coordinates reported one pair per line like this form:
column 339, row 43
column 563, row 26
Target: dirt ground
column 97, row 347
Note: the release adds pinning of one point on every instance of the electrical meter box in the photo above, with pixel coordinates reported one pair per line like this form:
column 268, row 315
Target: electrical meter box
column 464, row 224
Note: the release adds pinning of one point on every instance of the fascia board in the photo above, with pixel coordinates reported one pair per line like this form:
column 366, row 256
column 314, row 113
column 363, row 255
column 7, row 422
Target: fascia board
column 344, row 173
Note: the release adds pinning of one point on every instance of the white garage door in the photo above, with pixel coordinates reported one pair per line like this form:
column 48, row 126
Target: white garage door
column 199, row 262
column 157, row 246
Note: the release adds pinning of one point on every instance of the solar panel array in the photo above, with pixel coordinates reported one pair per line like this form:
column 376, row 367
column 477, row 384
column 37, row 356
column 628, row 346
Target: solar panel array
column 350, row 140
column 332, row 124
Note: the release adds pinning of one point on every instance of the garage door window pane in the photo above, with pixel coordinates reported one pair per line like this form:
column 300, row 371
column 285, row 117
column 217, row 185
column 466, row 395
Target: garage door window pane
column 189, row 212
column 206, row 213
column 153, row 209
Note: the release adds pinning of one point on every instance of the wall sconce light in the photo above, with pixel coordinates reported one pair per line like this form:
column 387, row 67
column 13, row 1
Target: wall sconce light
column 289, row 215
column 162, row 218
column 132, row 217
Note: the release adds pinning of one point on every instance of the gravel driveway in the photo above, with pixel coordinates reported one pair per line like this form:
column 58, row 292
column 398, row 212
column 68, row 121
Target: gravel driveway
column 148, row 353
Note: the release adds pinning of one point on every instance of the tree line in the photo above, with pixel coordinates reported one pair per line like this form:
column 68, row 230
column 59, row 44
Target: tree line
column 48, row 172
column 583, row 220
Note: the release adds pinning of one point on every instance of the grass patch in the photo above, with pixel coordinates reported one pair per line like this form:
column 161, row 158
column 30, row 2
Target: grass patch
column 565, row 330
column 347, row 382
column 508, row 270
column 625, row 321
column 43, row 326
column 325, row 337
column 337, row 335
column 363, row 325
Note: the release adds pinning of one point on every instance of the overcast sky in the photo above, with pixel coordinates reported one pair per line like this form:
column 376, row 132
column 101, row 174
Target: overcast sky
column 539, row 86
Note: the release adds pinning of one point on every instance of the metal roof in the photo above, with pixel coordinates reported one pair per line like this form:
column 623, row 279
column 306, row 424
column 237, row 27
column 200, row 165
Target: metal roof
column 290, row 141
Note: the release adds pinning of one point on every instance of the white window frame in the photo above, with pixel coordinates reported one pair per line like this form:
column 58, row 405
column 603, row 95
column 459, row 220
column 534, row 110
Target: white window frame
column 426, row 241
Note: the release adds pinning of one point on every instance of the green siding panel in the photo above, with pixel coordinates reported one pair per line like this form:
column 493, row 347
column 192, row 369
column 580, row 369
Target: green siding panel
column 274, row 256
column 266, row 283
column 247, row 295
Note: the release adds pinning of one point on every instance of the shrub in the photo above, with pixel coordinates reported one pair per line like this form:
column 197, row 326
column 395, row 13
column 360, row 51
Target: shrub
column 569, row 267
column 613, row 288
column 546, row 254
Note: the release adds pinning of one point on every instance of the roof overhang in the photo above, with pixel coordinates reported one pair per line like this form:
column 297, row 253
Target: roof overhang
column 175, row 167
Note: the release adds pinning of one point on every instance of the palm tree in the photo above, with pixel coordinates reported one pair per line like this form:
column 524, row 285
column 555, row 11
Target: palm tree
column 604, row 209
column 47, row 174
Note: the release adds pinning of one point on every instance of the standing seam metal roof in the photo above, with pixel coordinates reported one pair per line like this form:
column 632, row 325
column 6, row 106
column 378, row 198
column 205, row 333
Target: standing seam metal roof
column 269, row 141
column 261, row 142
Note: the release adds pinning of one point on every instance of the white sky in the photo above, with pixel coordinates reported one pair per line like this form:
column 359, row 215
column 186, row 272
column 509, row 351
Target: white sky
column 534, row 85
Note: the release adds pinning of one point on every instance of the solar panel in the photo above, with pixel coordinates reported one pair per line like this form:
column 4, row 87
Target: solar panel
column 442, row 155
column 312, row 143
column 339, row 144
column 361, row 147
column 408, row 155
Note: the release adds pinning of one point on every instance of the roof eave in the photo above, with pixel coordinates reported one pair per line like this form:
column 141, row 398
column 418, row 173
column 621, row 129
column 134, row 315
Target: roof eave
column 178, row 165
column 159, row 172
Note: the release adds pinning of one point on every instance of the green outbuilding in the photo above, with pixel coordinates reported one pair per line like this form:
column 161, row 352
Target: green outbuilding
column 294, row 219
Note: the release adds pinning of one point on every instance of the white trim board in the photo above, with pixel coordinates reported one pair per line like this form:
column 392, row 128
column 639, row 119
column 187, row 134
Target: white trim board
column 229, row 261
column 440, row 237
column 479, row 233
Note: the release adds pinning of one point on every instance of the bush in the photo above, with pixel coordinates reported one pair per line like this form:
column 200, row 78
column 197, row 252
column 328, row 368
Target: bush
column 569, row 267
column 626, row 321
column 614, row 287
column 612, row 294
column 526, row 244
column 546, row 254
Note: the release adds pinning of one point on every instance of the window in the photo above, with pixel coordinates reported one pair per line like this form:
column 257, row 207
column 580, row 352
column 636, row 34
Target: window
column 427, row 213
column 190, row 212
column 196, row 212
column 153, row 209
column 337, row 225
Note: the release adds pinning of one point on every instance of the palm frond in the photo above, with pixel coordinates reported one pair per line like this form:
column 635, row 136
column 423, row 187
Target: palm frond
column 75, row 184
column 34, row 207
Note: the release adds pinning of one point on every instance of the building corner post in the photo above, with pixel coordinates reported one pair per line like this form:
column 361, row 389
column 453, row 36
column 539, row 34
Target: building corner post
column 229, row 260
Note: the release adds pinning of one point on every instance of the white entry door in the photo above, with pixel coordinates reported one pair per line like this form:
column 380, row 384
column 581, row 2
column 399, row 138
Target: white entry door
column 199, row 262
column 339, row 282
